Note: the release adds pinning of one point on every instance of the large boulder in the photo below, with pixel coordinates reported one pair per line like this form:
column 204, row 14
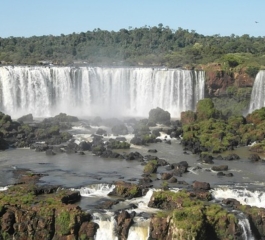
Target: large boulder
column 158, row 115
column 26, row 118
column 119, row 129
column 201, row 185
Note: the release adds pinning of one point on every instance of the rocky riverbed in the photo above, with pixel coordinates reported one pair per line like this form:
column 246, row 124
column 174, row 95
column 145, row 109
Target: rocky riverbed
column 64, row 156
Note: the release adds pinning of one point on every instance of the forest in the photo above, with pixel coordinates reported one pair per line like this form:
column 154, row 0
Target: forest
column 144, row 46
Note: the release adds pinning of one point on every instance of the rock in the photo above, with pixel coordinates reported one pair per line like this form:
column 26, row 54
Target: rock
column 50, row 152
column 62, row 117
column 159, row 227
column 26, row 118
column 88, row 229
column 254, row 158
column 201, row 185
column 159, row 115
column 206, row 158
column 137, row 141
column 84, row 146
column 126, row 190
column 220, row 174
column 101, row 131
column 124, row 222
column 219, row 157
column 231, row 157
column 71, row 198
column 181, row 167
column 166, row 176
column 152, row 150
column 229, row 175
column 120, row 129
column 172, row 180
column 220, row 168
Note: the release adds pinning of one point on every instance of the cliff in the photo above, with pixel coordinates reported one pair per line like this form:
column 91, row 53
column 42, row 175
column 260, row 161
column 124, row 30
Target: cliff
column 229, row 88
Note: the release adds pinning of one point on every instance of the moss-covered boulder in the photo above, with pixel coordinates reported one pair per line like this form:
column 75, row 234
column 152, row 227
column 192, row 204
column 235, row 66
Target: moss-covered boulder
column 151, row 167
column 126, row 190
column 29, row 211
column 158, row 115
column 190, row 218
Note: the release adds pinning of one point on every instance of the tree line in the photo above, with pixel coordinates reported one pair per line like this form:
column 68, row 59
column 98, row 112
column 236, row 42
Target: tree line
column 146, row 45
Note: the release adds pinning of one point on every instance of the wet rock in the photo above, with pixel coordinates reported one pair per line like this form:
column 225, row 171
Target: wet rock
column 85, row 146
column 219, row 157
column 159, row 227
column 120, row 129
column 206, row 158
column 126, row 190
column 101, row 131
column 181, row 167
column 71, row 198
column 26, row 118
column 229, row 175
column 172, row 180
column 201, row 185
column 152, row 150
column 124, row 222
column 50, row 152
column 231, row 157
column 166, row 176
column 254, row 158
column 88, row 229
column 220, row 174
column 220, row 168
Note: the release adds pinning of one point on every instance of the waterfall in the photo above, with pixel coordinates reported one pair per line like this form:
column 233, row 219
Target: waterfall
column 247, row 233
column 257, row 99
column 245, row 197
column 91, row 91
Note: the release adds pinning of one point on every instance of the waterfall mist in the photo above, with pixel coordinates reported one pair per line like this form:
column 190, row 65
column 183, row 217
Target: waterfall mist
column 98, row 91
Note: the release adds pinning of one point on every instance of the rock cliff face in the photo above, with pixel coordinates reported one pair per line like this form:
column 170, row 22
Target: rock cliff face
column 218, row 80
column 31, row 212
column 230, row 89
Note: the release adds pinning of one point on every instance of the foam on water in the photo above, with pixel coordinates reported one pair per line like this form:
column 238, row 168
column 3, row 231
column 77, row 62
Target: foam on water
column 244, row 196
column 101, row 190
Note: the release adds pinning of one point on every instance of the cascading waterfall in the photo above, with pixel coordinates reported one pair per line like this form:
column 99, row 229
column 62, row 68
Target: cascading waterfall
column 244, row 196
column 257, row 100
column 90, row 91
column 247, row 233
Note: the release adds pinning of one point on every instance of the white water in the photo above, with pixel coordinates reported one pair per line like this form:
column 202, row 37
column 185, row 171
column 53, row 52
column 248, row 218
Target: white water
column 100, row 190
column 247, row 233
column 257, row 100
column 87, row 91
column 244, row 196
column 138, row 231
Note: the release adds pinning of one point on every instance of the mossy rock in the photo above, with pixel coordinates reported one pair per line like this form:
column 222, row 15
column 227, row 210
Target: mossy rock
column 151, row 167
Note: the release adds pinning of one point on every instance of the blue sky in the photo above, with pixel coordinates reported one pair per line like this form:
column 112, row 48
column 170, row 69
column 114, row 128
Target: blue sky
column 27, row 18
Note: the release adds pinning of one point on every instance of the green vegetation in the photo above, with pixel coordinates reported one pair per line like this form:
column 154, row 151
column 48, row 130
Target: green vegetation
column 151, row 166
column 217, row 133
column 157, row 45
column 194, row 219
column 63, row 222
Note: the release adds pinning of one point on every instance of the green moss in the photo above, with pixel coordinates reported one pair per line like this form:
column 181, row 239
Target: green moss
column 151, row 166
column 63, row 222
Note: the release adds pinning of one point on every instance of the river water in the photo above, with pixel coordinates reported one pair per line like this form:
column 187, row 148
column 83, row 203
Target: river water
column 94, row 176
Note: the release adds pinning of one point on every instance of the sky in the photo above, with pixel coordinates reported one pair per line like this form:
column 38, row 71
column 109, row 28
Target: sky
column 26, row 18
